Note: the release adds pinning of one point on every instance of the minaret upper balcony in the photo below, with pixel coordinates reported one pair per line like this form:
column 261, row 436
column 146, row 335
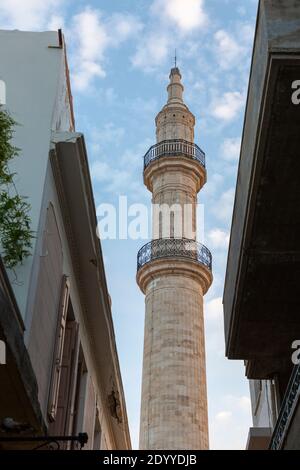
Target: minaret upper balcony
column 175, row 148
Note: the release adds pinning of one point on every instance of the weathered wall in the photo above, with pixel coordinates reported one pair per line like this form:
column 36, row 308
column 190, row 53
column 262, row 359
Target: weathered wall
column 34, row 78
column 174, row 408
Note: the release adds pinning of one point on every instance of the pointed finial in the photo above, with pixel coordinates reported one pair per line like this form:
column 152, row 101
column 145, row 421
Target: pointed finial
column 175, row 58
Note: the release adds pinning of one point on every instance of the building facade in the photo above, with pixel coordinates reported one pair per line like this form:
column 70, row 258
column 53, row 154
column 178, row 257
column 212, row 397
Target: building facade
column 174, row 273
column 62, row 374
column 261, row 301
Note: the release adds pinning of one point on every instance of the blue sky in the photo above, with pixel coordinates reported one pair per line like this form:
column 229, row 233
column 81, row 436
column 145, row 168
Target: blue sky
column 120, row 54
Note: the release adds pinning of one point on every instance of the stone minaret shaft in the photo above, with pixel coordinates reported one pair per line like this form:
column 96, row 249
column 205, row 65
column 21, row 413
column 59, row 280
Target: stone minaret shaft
column 174, row 272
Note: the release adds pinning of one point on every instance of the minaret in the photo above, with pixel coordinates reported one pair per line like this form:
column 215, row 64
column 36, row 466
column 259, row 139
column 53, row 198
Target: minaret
column 174, row 273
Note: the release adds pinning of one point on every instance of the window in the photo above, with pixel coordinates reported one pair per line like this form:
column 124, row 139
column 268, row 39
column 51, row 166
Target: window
column 58, row 349
column 172, row 229
column 80, row 393
column 160, row 224
column 66, row 388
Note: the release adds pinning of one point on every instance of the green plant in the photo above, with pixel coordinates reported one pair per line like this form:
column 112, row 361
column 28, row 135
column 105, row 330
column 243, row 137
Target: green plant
column 15, row 234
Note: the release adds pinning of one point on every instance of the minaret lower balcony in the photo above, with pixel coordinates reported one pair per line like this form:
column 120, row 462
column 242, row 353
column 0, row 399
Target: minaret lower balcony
column 174, row 148
column 174, row 247
column 169, row 255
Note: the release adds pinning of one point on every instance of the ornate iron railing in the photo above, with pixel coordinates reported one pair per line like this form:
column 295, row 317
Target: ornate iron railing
column 174, row 148
column 47, row 442
column 174, row 247
column 287, row 409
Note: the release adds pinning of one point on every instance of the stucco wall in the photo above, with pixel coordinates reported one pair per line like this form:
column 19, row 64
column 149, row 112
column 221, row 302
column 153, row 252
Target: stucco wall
column 50, row 197
column 34, row 77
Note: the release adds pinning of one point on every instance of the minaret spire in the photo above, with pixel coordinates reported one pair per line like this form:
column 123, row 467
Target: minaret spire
column 175, row 59
column 175, row 87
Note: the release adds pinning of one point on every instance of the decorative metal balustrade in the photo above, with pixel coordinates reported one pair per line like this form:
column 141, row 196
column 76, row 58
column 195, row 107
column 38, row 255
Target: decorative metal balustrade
column 174, row 148
column 46, row 442
column 288, row 406
column 174, row 248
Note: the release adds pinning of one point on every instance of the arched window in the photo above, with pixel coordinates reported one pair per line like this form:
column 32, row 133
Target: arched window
column 160, row 224
column 172, row 229
column 2, row 92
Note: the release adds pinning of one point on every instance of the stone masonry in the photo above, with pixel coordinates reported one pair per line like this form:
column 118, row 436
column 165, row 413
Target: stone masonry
column 174, row 273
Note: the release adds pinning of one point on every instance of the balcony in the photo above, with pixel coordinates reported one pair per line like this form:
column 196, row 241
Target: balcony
column 286, row 432
column 174, row 148
column 174, row 248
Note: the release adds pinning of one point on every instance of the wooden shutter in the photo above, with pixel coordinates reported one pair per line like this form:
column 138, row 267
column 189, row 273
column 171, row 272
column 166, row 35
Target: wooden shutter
column 58, row 349
column 64, row 415
column 71, row 361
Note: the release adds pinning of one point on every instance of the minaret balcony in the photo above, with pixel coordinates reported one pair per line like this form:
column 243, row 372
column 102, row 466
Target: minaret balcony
column 171, row 248
column 174, row 148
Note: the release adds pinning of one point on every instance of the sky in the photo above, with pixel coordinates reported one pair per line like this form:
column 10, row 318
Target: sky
column 120, row 53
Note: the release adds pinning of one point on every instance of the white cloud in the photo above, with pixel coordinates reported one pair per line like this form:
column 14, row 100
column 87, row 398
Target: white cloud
column 151, row 52
column 230, row 149
column 242, row 10
column 114, row 179
column 187, row 15
column 31, row 15
column 107, row 134
column 227, row 106
column 214, row 329
column 244, row 404
column 218, row 239
column 213, row 185
column 56, row 22
column 110, row 95
column 171, row 17
column 118, row 177
column 140, row 105
column 223, row 416
column 214, row 310
column 121, row 27
column 236, row 415
column 246, row 34
column 90, row 35
column 233, row 49
column 228, row 50
column 89, row 40
column 224, row 206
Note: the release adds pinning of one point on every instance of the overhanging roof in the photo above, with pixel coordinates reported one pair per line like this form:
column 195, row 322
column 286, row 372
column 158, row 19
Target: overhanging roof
column 261, row 301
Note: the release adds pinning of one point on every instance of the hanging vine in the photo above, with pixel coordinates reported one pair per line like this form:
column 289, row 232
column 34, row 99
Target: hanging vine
column 15, row 233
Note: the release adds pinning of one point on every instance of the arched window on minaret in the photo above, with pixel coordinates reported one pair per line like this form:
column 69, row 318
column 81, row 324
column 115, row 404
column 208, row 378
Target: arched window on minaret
column 172, row 219
column 160, row 224
column 2, row 92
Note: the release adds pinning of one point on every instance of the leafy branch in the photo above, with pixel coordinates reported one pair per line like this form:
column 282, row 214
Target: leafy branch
column 15, row 234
